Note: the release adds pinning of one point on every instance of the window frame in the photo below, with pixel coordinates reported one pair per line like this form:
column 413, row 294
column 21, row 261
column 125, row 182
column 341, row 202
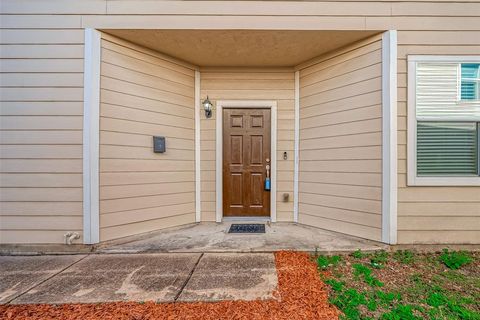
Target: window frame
column 459, row 86
column 412, row 178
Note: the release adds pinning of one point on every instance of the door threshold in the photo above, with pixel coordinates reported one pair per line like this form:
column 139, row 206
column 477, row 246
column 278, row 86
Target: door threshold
column 243, row 219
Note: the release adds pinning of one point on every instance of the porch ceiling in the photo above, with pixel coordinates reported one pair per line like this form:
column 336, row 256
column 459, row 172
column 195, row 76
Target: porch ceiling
column 241, row 48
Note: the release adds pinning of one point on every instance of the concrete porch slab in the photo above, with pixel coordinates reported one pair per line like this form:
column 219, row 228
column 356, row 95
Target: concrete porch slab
column 232, row 276
column 19, row 274
column 214, row 237
column 103, row 278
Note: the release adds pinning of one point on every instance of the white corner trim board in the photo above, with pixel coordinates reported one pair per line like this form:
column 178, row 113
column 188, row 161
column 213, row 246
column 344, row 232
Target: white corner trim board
column 91, row 126
column 389, row 137
column 198, row 213
column 219, row 151
column 296, row 146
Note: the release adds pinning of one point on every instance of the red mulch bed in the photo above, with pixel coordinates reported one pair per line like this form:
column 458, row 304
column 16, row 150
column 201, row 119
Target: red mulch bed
column 301, row 295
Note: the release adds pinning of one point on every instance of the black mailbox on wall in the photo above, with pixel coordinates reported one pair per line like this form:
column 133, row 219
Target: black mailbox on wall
column 159, row 144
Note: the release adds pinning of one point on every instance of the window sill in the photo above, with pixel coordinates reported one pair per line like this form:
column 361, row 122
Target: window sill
column 444, row 181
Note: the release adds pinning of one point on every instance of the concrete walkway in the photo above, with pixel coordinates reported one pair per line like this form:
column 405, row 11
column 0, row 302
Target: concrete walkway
column 214, row 237
column 200, row 262
column 136, row 277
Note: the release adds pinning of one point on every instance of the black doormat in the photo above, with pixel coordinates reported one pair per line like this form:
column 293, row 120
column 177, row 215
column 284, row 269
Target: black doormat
column 247, row 228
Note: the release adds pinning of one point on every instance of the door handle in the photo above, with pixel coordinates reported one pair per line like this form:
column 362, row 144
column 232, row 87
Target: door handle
column 267, row 167
column 267, row 179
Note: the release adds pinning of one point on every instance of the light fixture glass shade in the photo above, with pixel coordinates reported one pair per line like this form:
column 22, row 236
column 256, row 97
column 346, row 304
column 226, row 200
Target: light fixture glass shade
column 207, row 106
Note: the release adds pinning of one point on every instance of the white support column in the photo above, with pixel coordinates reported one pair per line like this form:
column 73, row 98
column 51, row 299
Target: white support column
column 91, row 126
column 389, row 137
column 198, row 211
column 296, row 146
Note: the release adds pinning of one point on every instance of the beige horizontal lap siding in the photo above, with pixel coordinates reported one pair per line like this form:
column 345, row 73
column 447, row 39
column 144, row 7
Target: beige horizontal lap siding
column 249, row 84
column 41, row 106
column 144, row 94
column 46, row 118
column 341, row 141
column 433, row 214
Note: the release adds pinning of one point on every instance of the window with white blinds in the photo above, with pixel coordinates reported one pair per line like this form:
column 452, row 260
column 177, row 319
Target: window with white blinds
column 447, row 148
column 445, row 103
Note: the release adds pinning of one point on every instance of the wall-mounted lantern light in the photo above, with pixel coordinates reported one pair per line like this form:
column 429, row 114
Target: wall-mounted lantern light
column 207, row 106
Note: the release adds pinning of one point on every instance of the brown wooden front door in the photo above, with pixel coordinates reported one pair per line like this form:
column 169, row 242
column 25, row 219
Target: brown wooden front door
column 246, row 153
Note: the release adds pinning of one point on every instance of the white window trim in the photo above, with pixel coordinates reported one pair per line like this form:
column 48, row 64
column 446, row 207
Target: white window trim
column 219, row 152
column 412, row 178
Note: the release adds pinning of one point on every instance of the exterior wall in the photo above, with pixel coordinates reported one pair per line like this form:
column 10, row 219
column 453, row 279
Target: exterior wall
column 42, row 80
column 41, row 133
column 249, row 84
column 340, row 177
column 144, row 94
column 433, row 214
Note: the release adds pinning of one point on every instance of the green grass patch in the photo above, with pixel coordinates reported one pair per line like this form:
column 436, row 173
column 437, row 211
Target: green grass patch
column 365, row 272
column 325, row 262
column 404, row 256
column 358, row 254
column 379, row 259
column 404, row 285
column 455, row 259
column 401, row 312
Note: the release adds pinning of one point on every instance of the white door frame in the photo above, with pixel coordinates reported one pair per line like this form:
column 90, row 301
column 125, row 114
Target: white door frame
column 219, row 153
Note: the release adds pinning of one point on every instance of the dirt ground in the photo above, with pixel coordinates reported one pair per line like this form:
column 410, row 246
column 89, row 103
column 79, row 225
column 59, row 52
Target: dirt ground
column 300, row 295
